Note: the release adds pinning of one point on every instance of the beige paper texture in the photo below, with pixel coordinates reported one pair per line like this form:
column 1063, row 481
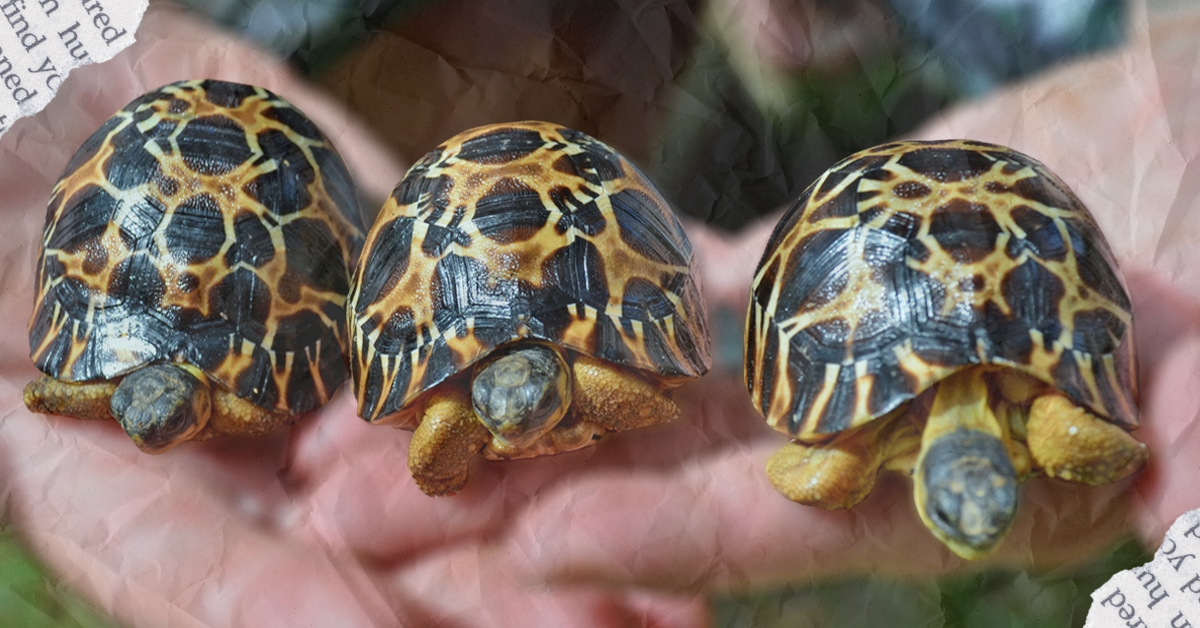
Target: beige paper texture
column 41, row 41
column 1163, row 592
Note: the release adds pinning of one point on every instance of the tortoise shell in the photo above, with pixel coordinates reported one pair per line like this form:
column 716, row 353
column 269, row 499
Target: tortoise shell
column 521, row 230
column 906, row 262
column 206, row 222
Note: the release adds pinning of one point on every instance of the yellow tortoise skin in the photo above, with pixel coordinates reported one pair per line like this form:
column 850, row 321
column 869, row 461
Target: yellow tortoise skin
column 909, row 261
column 207, row 223
column 520, row 231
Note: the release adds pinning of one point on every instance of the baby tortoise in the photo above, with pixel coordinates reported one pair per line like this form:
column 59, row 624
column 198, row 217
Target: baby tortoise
column 948, row 309
column 524, row 291
column 194, row 268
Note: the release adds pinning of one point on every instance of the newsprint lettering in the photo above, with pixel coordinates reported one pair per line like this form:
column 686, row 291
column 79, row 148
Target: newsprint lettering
column 41, row 41
column 1164, row 592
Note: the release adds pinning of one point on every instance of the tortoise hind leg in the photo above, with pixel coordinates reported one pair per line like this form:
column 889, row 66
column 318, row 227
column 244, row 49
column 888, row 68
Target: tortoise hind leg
column 616, row 399
column 449, row 435
column 1069, row 443
column 82, row 400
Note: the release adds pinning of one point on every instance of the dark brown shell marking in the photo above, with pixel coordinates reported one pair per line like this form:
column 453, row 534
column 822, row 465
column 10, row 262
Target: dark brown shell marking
column 906, row 262
column 206, row 222
column 522, row 230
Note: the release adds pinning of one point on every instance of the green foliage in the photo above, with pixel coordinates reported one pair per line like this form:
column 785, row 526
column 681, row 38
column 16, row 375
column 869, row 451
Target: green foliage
column 984, row 599
column 29, row 599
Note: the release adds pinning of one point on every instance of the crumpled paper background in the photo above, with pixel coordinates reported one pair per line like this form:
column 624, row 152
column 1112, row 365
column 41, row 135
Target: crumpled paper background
column 321, row 525
column 43, row 42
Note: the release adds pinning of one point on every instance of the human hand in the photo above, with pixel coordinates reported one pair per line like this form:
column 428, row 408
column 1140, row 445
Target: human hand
column 323, row 524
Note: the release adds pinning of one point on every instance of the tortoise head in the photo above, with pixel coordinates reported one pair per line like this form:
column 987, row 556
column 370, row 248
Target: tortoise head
column 162, row 405
column 521, row 393
column 967, row 492
column 965, row 482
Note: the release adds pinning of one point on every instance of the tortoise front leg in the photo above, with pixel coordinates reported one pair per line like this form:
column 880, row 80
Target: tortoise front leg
column 448, row 436
column 841, row 472
column 616, row 399
column 1070, row 443
column 82, row 400
column 232, row 415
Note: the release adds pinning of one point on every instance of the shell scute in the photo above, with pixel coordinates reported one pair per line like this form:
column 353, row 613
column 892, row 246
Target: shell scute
column 313, row 258
column 297, row 122
column 648, row 231
column 94, row 209
column 501, row 146
column 283, row 190
column 131, row 163
column 966, row 231
column 226, row 95
column 255, row 242
column 212, row 145
column 585, row 217
column 1043, row 237
column 510, row 211
column 196, row 231
column 945, row 166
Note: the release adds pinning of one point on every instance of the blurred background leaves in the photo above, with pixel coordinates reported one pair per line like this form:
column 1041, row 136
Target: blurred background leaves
column 732, row 106
column 29, row 598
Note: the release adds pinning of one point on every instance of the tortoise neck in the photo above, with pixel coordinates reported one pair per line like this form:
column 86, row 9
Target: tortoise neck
column 961, row 402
